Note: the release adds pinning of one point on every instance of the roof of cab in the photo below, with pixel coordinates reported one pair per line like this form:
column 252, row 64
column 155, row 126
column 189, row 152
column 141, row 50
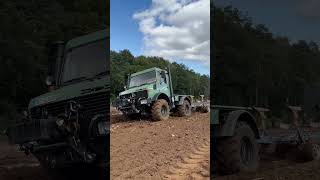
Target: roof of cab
column 102, row 34
column 146, row 70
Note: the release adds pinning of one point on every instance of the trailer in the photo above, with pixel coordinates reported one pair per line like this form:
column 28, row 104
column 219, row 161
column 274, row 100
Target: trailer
column 240, row 135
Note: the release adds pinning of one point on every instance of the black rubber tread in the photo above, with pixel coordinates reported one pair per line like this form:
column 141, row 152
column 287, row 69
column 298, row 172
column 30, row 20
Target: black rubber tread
column 182, row 109
column 156, row 110
column 228, row 151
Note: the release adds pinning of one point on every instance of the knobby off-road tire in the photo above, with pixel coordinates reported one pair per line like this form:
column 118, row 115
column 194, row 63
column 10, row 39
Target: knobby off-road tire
column 160, row 110
column 184, row 109
column 239, row 152
column 213, row 161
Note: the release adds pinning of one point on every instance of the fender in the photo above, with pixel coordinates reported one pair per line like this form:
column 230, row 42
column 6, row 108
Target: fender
column 161, row 96
column 239, row 115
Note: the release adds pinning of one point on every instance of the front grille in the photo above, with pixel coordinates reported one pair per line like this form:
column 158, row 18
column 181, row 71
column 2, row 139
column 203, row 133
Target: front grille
column 91, row 105
column 126, row 96
column 138, row 94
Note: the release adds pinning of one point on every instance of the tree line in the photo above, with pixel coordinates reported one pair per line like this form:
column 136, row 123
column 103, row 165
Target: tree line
column 184, row 80
column 251, row 66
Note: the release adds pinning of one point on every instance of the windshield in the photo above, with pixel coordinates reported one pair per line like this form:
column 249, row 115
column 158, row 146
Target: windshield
column 86, row 61
column 141, row 79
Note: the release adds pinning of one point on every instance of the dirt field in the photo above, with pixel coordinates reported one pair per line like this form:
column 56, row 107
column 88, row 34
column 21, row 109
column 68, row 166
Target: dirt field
column 279, row 170
column 15, row 165
column 177, row 148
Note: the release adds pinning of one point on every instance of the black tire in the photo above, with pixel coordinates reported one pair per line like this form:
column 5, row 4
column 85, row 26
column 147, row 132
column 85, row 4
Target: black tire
column 310, row 152
column 160, row 110
column 213, row 161
column 184, row 109
column 239, row 152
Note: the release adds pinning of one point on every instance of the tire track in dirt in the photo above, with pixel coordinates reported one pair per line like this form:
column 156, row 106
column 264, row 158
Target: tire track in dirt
column 145, row 149
column 194, row 166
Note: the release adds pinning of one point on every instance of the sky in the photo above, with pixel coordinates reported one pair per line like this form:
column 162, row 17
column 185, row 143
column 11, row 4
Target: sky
column 177, row 30
column 296, row 19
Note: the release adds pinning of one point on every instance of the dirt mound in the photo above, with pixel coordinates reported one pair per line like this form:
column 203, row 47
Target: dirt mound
column 177, row 148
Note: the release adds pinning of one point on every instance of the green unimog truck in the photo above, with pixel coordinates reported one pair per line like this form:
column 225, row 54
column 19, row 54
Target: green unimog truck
column 68, row 126
column 150, row 92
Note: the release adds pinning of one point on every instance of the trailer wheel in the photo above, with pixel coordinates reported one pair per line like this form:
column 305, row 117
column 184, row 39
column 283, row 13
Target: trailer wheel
column 184, row 109
column 160, row 110
column 239, row 152
column 311, row 151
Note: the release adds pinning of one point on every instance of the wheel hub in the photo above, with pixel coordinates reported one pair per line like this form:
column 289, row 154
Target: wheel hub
column 246, row 151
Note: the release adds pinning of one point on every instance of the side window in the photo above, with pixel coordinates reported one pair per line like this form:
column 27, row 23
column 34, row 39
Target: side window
column 163, row 78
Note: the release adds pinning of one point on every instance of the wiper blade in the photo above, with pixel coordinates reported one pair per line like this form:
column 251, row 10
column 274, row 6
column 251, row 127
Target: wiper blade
column 97, row 75
column 146, row 83
column 75, row 79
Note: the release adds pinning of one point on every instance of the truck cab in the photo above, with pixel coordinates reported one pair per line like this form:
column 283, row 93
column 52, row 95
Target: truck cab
column 68, row 125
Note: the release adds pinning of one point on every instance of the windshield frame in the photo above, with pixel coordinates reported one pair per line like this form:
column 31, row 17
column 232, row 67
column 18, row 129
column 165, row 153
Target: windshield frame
column 155, row 78
column 64, row 58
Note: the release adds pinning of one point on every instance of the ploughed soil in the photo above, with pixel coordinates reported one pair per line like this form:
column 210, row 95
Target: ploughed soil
column 177, row 148
column 279, row 170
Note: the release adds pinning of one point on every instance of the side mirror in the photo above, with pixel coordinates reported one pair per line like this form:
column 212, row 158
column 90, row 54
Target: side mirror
column 125, row 87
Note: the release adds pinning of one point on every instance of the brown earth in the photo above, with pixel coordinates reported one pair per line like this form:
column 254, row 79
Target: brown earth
column 279, row 170
column 177, row 148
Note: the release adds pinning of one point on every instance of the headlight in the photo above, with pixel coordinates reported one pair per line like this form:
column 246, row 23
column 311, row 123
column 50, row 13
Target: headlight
column 144, row 101
column 103, row 128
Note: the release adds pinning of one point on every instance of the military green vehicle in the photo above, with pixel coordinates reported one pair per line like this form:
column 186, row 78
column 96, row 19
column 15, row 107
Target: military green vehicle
column 68, row 126
column 150, row 92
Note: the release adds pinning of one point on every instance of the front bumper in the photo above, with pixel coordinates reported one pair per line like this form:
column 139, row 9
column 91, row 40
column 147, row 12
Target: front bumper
column 132, row 105
column 32, row 130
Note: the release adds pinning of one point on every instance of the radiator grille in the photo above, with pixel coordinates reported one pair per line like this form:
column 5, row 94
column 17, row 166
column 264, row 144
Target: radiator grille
column 91, row 105
column 139, row 94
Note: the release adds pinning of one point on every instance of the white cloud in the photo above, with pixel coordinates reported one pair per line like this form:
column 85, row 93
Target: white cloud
column 177, row 30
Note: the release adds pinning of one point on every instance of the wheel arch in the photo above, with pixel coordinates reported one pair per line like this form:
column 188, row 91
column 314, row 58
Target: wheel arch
column 161, row 96
column 234, row 117
column 184, row 97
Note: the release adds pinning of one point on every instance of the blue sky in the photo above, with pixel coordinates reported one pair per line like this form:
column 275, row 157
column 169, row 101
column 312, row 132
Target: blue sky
column 125, row 34
column 296, row 19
